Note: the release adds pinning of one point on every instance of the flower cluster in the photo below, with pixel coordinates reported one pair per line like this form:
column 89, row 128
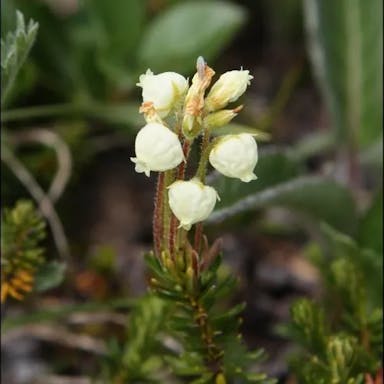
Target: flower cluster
column 178, row 113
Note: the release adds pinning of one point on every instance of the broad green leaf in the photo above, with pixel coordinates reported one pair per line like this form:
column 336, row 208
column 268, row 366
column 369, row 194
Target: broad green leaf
column 122, row 22
column 371, row 226
column 49, row 276
column 187, row 30
column 346, row 48
column 120, row 77
column 317, row 198
column 14, row 51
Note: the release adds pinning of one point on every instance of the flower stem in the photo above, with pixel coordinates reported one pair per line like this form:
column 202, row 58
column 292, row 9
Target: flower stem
column 157, row 214
column 186, row 150
column 173, row 234
column 205, row 149
column 198, row 235
column 201, row 173
column 213, row 353
column 167, row 214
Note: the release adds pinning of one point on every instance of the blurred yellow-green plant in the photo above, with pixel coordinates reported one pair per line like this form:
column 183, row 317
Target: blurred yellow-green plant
column 22, row 231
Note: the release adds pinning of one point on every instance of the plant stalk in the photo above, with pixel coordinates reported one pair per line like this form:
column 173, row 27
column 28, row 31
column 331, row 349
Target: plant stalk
column 204, row 156
column 158, row 213
column 167, row 213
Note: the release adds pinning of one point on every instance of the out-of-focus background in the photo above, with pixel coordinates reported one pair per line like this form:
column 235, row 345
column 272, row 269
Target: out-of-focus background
column 71, row 118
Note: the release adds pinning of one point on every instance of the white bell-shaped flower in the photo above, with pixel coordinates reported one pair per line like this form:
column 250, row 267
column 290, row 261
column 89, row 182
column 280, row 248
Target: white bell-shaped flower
column 157, row 149
column 164, row 90
column 230, row 86
column 235, row 156
column 191, row 201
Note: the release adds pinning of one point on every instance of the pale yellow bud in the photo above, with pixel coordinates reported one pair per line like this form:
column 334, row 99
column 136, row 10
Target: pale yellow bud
column 230, row 86
column 191, row 126
column 220, row 118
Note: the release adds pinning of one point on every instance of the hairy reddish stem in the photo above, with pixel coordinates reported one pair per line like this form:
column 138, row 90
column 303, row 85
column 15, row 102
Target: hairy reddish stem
column 180, row 176
column 157, row 214
column 186, row 150
column 205, row 149
column 173, row 234
column 198, row 235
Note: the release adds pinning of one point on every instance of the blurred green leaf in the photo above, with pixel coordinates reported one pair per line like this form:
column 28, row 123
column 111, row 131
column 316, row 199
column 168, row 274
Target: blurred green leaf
column 234, row 128
column 124, row 113
column 49, row 275
column 371, row 160
column 274, row 167
column 315, row 143
column 120, row 77
column 372, row 156
column 187, row 30
column 346, row 47
column 318, row 198
column 8, row 10
column 53, row 52
column 14, row 51
column 371, row 226
column 284, row 20
column 122, row 22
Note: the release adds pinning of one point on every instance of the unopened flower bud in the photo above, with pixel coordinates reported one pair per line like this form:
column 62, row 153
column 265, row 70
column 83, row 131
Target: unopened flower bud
column 157, row 149
column 235, row 156
column 191, row 201
column 230, row 86
column 191, row 126
column 164, row 90
column 220, row 118
column 194, row 100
